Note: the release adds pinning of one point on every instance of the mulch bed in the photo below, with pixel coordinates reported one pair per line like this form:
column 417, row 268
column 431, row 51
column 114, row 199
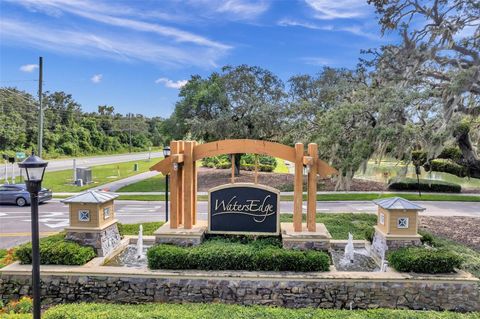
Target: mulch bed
column 209, row 177
column 465, row 230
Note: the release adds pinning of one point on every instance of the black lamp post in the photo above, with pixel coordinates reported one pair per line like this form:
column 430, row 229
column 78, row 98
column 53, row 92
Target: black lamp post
column 34, row 168
column 166, row 153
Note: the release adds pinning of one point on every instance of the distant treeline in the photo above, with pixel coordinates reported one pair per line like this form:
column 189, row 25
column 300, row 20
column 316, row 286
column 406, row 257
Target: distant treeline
column 70, row 131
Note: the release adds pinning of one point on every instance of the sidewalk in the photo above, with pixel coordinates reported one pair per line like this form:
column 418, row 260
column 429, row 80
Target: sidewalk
column 113, row 186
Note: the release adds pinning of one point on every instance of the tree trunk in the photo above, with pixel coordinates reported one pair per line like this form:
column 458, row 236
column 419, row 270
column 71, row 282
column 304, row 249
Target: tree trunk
column 237, row 163
column 469, row 157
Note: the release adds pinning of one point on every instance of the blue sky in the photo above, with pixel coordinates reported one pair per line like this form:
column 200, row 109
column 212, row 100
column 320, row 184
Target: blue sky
column 135, row 55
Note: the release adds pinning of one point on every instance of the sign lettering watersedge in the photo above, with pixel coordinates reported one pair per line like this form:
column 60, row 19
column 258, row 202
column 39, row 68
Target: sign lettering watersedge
column 244, row 209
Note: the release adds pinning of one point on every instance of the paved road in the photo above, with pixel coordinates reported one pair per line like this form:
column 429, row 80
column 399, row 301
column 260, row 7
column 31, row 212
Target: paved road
column 15, row 221
column 63, row 164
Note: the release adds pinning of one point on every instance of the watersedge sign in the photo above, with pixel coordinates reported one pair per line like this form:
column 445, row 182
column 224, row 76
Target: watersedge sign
column 244, row 209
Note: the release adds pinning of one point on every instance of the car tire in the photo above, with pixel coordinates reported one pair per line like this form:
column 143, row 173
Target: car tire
column 21, row 202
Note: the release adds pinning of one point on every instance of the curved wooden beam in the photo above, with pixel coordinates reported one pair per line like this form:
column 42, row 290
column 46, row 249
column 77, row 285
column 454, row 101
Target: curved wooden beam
column 244, row 146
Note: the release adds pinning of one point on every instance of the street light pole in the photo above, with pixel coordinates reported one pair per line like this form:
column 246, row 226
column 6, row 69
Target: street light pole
column 35, row 169
column 35, row 255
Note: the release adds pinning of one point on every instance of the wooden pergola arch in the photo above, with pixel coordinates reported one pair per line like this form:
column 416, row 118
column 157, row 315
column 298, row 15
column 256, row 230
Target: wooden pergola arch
column 183, row 174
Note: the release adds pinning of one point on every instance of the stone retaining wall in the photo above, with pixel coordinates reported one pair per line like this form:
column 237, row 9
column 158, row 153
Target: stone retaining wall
column 294, row 293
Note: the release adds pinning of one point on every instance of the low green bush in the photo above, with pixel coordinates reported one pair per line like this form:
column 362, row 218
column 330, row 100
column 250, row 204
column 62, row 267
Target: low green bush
column 224, row 311
column 236, row 254
column 426, row 185
column 247, row 162
column 56, row 250
column 453, row 153
column 424, row 260
column 427, row 238
column 447, row 166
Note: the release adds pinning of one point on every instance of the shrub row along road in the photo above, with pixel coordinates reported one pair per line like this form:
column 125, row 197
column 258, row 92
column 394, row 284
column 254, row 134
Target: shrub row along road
column 15, row 221
column 63, row 164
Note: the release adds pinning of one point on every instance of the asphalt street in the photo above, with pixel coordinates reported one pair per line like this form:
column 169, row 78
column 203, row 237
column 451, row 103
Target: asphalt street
column 63, row 164
column 15, row 221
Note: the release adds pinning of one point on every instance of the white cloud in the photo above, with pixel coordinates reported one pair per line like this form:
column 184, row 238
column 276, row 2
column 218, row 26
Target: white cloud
column 171, row 84
column 96, row 78
column 96, row 44
column 317, row 61
column 105, row 13
column 308, row 25
column 28, row 67
column 355, row 29
column 244, row 9
column 167, row 45
column 338, row 9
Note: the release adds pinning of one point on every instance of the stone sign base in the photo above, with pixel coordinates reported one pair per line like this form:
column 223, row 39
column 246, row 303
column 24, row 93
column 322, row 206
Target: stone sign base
column 104, row 239
column 318, row 240
column 181, row 236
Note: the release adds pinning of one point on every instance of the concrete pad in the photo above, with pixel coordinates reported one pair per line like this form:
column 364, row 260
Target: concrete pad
column 305, row 240
column 181, row 236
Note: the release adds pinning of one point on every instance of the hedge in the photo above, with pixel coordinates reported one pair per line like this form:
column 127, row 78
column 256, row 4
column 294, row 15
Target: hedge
column 453, row 153
column 447, row 166
column 424, row 260
column 233, row 254
column 426, row 185
column 56, row 250
column 247, row 162
column 223, row 311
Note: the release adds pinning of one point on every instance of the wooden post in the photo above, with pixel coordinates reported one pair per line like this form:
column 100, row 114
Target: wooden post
column 312, row 188
column 188, row 185
column 256, row 168
column 195, row 187
column 232, row 159
column 174, row 189
column 298, row 188
column 181, row 182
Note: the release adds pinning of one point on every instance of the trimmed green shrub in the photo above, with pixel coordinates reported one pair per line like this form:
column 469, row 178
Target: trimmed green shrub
column 236, row 254
column 224, row 311
column 424, row 260
column 56, row 250
column 453, row 153
column 426, row 185
column 447, row 166
column 427, row 238
column 249, row 159
column 419, row 157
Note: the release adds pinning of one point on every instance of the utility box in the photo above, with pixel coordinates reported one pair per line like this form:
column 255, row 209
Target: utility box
column 85, row 174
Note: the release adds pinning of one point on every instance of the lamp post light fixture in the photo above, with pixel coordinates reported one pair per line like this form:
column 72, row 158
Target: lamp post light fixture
column 166, row 153
column 34, row 168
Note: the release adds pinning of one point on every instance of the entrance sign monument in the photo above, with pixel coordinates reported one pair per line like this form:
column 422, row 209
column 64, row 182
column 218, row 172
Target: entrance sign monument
column 239, row 208
column 244, row 208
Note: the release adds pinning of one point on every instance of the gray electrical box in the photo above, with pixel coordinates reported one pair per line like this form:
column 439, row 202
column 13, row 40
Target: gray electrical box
column 85, row 174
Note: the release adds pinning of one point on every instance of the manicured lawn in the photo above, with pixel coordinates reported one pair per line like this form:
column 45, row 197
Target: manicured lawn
column 61, row 181
column 281, row 166
column 340, row 224
column 471, row 258
column 152, row 184
column 222, row 311
column 132, row 229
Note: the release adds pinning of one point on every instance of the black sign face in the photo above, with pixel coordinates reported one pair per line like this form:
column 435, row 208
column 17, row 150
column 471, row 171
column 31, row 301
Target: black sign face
column 244, row 209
